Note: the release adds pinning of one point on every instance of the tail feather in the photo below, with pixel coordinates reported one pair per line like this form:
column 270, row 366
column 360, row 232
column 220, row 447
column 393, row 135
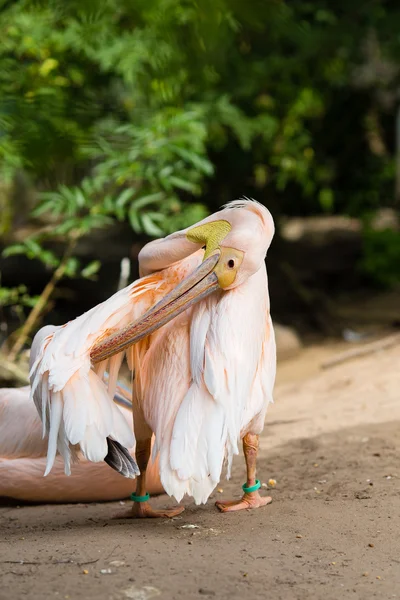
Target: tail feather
column 81, row 413
column 94, row 445
column 197, row 446
column 119, row 459
column 21, row 427
column 100, row 404
column 65, row 449
column 45, row 406
column 121, row 430
column 74, row 415
column 56, row 410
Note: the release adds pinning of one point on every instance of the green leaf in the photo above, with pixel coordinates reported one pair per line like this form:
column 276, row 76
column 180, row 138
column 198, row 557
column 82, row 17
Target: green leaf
column 124, row 197
column 134, row 220
column 49, row 258
column 71, row 267
column 43, row 207
column 80, row 198
column 150, row 227
column 29, row 301
column 91, row 269
column 33, row 247
column 67, row 227
column 149, row 199
column 15, row 249
column 121, row 201
column 184, row 184
column 203, row 164
column 156, row 216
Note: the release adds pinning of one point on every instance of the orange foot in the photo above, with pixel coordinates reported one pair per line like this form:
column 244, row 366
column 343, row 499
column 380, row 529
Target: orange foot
column 143, row 510
column 252, row 500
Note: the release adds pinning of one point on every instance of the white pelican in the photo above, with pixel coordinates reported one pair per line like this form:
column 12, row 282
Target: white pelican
column 197, row 332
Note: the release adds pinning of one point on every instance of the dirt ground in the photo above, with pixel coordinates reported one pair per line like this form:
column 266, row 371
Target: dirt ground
column 331, row 442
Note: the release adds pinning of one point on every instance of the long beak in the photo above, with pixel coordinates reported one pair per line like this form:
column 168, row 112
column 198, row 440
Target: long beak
column 197, row 286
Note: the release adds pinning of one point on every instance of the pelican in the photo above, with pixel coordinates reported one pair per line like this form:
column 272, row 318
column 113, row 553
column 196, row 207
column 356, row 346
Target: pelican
column 23, row 459
column 197, row 334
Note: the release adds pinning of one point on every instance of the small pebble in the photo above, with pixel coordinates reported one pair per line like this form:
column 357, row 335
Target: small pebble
column 365, row 574
column 105, row 571
column 299, row 536
column 220, row 491
column 378, row 577
column 85, row 572
column 371, row 545
column 333, row 563
column 272, row 482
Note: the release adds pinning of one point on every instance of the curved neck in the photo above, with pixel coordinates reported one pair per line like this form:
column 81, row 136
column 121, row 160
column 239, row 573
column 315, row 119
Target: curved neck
column 163, row 253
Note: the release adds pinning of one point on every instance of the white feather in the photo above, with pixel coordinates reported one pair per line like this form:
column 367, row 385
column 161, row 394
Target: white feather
column 115, row 365
column 73, row 402
column 94, row 444
column 185, row 435
column 55, row 421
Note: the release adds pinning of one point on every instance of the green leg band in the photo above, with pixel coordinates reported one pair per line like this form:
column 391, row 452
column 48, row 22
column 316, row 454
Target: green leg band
column 140, row 498
column 253, row 488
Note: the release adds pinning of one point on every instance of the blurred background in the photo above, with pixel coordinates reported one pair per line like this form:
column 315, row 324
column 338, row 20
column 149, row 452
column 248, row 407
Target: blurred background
column 122, row 120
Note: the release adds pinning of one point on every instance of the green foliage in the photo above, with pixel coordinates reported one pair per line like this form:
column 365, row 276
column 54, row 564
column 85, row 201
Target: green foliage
column 381, row 257
column 132, row 111
column 293, row 84
column 79, row 217
column 141, row 169
column 17, row 299
column 17, row 296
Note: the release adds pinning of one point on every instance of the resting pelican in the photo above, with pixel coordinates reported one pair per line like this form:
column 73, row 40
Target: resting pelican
column 23, row 459
column 197, row 332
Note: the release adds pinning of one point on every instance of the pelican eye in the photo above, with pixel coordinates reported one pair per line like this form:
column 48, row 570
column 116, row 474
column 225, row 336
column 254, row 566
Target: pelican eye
column 231, row 263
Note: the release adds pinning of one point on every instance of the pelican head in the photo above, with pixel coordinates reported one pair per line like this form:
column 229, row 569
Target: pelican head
column 235, row 242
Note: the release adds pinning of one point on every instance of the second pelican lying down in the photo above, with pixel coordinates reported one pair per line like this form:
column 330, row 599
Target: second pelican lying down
column 23, row 459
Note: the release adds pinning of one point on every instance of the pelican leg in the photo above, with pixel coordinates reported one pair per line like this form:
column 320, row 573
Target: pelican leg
column 142, row 509
column 250, row 499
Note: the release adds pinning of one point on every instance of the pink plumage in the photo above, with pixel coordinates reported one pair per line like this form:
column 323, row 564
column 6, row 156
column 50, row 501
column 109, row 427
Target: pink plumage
column 203, row 380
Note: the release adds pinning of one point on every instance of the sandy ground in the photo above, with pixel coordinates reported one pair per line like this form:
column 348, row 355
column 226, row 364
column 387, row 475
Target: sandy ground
column 332, row 442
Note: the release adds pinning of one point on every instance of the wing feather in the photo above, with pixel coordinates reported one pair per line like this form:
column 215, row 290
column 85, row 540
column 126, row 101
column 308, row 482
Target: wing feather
column 71, row 398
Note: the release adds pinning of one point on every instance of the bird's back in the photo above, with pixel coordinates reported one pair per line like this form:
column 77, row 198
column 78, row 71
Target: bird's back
column 20, row 426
